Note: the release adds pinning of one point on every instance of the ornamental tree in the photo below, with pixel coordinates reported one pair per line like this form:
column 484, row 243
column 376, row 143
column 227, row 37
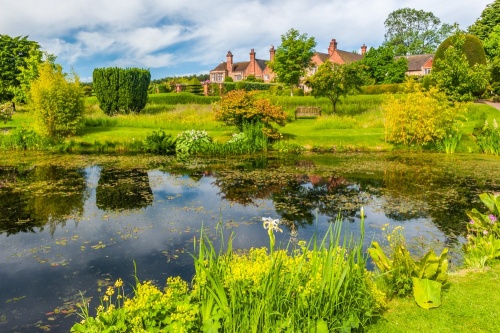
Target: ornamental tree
column 459, row 68
column 334, row 81
column 238, row 107
column 292, row 57
column 56, row 101
column 121, row 90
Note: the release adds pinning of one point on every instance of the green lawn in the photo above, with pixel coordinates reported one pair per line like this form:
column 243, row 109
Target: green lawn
column 471, row 304
column 357, row 124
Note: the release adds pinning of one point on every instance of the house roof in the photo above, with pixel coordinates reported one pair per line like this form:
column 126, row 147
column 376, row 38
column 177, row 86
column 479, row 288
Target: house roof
column 349, row 57
column 240, row 66
column 416, row 62
column 323, row 56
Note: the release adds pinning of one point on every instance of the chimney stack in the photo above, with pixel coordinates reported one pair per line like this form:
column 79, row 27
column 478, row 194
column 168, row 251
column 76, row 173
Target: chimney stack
column 229, row 62
column 271, row 53
column 363, row 49
column 332, row 47
column 252, row 62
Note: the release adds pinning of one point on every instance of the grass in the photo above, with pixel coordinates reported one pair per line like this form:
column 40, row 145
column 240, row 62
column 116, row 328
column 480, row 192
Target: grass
column 357, row 124
column 470, row 304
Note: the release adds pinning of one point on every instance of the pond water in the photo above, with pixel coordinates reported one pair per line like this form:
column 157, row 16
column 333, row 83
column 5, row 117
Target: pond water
column 71, row 225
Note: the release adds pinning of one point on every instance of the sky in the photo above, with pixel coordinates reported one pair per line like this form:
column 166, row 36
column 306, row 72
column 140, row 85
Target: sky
column 183, row 37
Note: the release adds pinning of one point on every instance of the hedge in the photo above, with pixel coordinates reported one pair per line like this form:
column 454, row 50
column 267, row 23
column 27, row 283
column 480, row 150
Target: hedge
column 181, row 98
column 376, row 89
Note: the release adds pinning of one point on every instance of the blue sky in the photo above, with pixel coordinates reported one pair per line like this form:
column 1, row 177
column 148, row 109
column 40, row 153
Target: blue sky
column 179, row 37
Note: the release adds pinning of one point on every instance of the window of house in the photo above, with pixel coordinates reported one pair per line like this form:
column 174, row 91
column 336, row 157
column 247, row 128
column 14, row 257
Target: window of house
column 237, row 78
column 427, row 71
column 266, row 77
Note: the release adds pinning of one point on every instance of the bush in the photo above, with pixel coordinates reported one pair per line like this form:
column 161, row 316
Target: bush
column 57, row 102
column 159, row 143
column 298, row 92
column 194, row 87
column 375, row 89
column 420, row 117
column 191, row 142
column 228, row 79
column 239, row 107
column 121, row 90
column 181, row 98
column 240, row 85
column 23, row 139
column 488, row 138
column 87, row 91
column 472, row 48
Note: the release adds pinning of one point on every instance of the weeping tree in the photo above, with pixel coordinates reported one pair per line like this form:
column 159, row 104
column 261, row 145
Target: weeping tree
column 120, row 90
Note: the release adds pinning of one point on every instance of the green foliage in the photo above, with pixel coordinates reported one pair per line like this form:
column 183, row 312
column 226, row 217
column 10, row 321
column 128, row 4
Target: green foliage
column 420, row 117
column 239, row 107
column 181, row 98
column 381, row 66
column 377, row 89
column 159, row 142
column 320, row 287
column 194, row 87
column 228, row 79
column 6, row 112
column 468, row 44
column 292, row 57
column 121, row 90
column 191, row 142
column 23, row 139
column 410, row 31
column 402, row 275
column 492, row 44
column 57, row 102
column 458, row 70
column 334, row 81
column 252, row 78
column 240, row 85
column 15, row 53
column 489, row 19
column 488, row 138
column 323, row 286
column 87, row 91
column 483, row 232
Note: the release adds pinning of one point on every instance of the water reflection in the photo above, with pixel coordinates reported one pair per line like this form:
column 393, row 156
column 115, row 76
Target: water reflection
column 71, row 229
column 120, row 189
column 41, row 197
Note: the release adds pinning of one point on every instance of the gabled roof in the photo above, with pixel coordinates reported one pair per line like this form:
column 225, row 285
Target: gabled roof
column 240, row 66
column 323, row 56
column 416, row 62
column 349, row 57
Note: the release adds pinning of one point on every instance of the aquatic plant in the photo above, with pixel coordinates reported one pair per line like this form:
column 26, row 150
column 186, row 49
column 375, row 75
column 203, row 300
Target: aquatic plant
column 483, row 233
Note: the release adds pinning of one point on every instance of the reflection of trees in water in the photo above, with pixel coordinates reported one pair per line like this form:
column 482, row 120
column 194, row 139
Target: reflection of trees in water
column 39, row 197
column 120, row 189
column 296, row 197
column 415, row 191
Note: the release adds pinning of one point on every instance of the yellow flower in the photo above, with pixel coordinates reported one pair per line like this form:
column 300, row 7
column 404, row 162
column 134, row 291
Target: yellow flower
column 118, row 283
column 105, row 298
column 110, row 291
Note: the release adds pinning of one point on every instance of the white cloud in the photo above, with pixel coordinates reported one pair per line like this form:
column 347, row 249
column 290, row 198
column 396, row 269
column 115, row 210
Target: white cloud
column 198, row 33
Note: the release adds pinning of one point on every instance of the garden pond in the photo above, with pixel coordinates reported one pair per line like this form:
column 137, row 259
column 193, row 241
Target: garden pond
column 70, row 225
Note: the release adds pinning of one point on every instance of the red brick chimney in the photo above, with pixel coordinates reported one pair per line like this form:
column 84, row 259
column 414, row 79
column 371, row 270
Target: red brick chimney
column 229, row 62
column 332, row 47
column 363, row 49
column 271, row 53
column 252, row 62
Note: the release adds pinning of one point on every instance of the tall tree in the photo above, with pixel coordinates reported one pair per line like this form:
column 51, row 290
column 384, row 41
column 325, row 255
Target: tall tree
column 334, row 81
column 460, row 78
column 410, row 31
column 489, row 19
column 292, row 57
column 14, row 55
column 382, row 67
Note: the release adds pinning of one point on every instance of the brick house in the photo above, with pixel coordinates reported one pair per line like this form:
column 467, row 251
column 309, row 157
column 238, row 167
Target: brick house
column 336, row 56
column 420, row 64
column 240, row 70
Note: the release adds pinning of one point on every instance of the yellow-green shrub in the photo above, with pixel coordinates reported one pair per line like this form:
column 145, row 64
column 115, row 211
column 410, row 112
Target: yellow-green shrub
column 419, row 117
column 56, row 101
